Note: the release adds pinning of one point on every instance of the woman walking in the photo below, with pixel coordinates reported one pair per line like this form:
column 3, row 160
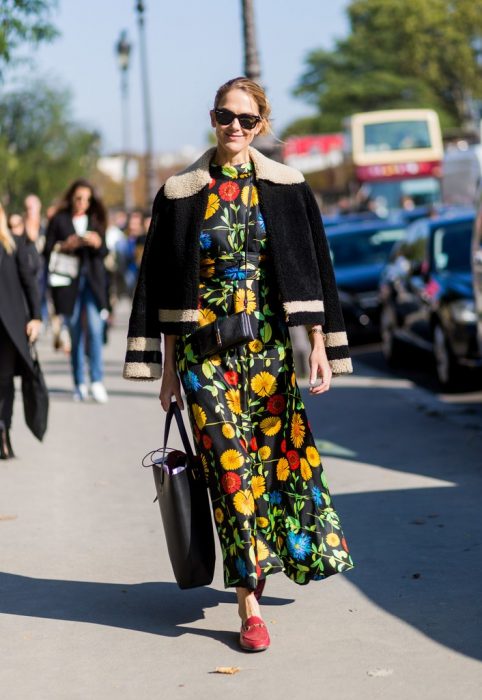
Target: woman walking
column 271, row 503
column 79, row 290
column 19, row 324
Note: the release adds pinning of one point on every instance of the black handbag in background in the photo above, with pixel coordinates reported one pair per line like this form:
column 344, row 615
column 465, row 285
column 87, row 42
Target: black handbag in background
column 185, row 508
column 35, row 397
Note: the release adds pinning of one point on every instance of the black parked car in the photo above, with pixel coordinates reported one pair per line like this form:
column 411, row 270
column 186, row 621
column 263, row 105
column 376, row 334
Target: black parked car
column 359, row 251
column 427, row 296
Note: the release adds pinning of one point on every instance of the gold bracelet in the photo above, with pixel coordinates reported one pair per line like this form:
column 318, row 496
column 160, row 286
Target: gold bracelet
column 318, row 331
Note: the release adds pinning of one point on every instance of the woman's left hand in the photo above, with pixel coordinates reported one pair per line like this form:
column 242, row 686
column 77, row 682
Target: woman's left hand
column 92, row 239
column 319, row 366
column 32, row 329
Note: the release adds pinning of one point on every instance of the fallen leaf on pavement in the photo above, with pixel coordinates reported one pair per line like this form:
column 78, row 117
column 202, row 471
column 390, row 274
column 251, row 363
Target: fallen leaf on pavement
column 380, row 672
column 8, row 517
column 229, row 670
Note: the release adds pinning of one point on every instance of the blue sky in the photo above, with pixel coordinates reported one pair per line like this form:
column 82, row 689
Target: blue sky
column 193, row 47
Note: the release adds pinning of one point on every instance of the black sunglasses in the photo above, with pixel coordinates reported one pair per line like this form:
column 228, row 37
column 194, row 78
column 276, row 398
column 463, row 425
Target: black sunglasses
column 246, row 121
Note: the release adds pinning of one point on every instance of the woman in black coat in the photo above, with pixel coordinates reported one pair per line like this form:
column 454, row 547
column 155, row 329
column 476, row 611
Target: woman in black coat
column 77, row 232
column 19, row 323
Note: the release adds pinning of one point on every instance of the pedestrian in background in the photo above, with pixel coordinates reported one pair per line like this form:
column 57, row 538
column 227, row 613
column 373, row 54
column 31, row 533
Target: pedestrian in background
column 16, row 225
column 78, row 230
column 272, row 507
column 19, row 323
column 130, row 249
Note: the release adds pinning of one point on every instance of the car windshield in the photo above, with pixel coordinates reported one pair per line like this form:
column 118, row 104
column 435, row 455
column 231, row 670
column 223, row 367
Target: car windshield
column 451, row 247
column 363, row 247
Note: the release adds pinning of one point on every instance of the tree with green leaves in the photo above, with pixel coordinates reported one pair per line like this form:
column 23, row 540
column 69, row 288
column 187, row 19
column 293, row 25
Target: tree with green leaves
column 425, row 53
column 41, row 148
column 24, row 22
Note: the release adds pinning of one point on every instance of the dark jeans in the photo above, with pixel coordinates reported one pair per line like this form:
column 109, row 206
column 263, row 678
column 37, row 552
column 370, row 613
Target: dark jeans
column 8, row 361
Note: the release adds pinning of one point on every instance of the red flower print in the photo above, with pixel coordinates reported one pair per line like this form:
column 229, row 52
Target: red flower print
column 293, row 459
column 344, row 544
column 258, row 569
column 231, row 482
column 212, row 183
column 253, row 444
column 276, row 404
column 283, row 446
column 231, row 377
column 207, row 442
column 229, row 191
column 197, row 433
column 244, row 444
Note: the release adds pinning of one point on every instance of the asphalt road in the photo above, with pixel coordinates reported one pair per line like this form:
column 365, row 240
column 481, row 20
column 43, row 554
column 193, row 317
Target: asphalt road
column 89, row 609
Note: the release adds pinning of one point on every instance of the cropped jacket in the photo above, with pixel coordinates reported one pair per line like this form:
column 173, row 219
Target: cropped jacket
column 167, row 292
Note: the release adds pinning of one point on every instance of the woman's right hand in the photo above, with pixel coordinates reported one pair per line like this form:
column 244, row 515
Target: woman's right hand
column 170, row 387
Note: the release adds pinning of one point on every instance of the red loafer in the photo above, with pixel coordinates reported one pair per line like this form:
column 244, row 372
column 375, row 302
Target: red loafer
column 258, row 591
column 254, row 635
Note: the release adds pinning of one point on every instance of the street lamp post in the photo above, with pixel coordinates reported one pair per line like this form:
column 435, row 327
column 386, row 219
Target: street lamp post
column 123, row 50
column 151, row 187
column 252, row 68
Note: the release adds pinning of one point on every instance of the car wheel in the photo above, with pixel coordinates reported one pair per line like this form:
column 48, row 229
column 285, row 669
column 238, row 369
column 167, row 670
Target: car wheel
column 391, row 346
column 446, row 367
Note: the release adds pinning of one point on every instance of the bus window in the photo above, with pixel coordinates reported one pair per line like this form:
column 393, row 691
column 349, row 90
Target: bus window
column 396, row 136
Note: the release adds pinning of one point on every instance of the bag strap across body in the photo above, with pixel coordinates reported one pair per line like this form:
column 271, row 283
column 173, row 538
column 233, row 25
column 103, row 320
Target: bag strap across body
column 246, row 240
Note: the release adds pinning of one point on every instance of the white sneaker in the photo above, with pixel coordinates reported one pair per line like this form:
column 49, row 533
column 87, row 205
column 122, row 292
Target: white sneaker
column 99, row 393
column 81, row 393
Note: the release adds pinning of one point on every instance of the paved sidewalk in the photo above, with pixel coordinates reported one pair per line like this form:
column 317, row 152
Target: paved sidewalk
column 89, row 609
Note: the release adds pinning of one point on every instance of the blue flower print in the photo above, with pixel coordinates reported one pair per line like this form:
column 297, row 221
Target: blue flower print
column 206, row 240
column 235, row 273
column 261, row 223
column 317, row 497
column 191, row 382
column 241, row 567
column 275, row 497
column 298, row 545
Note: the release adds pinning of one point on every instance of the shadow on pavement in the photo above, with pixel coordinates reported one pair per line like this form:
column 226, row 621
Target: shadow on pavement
column 416, row 549
column 156, row 607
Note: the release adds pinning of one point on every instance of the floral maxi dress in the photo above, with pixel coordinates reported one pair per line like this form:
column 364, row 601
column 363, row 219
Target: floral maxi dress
column 272, row 507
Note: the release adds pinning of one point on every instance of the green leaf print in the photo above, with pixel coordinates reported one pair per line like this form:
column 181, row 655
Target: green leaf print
column 229, row 171
column 207, row 369
column 266, row 333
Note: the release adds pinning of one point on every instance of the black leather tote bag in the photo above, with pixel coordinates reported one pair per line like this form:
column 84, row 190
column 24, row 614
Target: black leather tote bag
column 185, row 508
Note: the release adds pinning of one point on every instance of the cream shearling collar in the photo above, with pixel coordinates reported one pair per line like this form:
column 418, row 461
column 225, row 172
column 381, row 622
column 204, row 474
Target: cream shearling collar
column 191, row 180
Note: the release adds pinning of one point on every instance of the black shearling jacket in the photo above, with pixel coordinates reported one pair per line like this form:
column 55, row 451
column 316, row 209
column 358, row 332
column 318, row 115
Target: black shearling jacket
column 166, row 296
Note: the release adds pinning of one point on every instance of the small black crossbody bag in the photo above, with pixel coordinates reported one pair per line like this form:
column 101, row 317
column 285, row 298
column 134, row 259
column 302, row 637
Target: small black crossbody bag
column 228, row 331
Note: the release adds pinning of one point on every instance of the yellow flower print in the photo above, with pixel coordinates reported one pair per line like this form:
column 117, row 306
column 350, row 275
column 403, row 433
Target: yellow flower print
column 204, row 462
column 254, row 196
column 207, row 268
column 305, row 469
column 206, row 316
column 244, row 502
column 262, row 551
column 255, row 345
column 215, row 360
column 282, row 469
column 262, row 522
column 313, row 457
column 297, row 430
column 293, row 379
column 232, row 459
column 199, row 416
column 258, row 486
column 332, row 539
column 240, row 296
column 264, row 452
column 271, row 425
column 264, row 384
column 228, row 431
column 233, row 398
column 219, row 515
column 213, row 205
